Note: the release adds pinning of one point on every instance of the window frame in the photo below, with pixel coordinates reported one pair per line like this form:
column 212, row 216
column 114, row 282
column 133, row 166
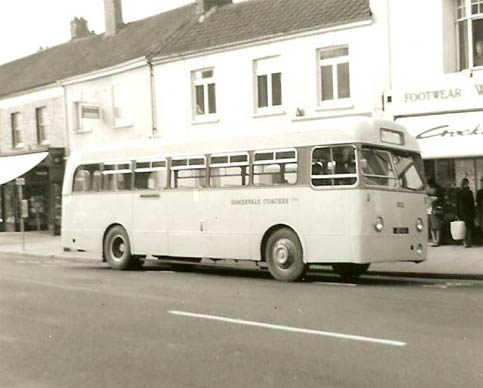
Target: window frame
column 188, row 166
column 151, row 169
column 267, row 67
column 229, row 164
column 41, row 125
column 198, row 80
column 16, row 128
column 463, row 14
column 331, row 177
column 118, row 172
column 275, row 160
column 335, row 102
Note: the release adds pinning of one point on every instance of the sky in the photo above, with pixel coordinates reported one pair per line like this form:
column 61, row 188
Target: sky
column 27, row 25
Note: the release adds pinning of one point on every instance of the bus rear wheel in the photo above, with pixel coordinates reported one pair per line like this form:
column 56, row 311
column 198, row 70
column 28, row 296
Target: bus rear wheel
column 284, row 256
column 350, row 271
column 117, row 250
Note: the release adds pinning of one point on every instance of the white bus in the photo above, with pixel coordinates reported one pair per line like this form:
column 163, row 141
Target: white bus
column 349, row 193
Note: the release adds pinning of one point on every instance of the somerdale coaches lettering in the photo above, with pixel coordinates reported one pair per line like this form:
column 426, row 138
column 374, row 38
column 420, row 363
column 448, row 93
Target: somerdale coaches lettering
column 260, row 201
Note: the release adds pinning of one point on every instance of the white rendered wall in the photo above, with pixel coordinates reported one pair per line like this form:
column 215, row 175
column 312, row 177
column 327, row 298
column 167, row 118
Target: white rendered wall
column 99, row 92
column 235, row 84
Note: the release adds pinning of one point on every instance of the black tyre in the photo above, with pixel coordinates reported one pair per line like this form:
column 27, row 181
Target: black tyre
column 117, row 250
column 284, row 256
column 350, row 271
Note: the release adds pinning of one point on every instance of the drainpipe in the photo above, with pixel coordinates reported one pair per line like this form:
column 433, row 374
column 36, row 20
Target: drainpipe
column 154, row 118
column 66, row 126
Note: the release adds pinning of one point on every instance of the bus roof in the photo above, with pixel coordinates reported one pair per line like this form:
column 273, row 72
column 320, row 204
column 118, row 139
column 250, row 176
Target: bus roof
column 327, row 131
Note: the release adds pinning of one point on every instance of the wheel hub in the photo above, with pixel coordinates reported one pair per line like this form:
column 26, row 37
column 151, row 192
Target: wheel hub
column 118, row 248
column 284, row 253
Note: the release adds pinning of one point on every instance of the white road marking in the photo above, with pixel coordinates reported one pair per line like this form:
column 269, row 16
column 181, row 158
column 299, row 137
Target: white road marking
column 289, row 328
column 336, row 284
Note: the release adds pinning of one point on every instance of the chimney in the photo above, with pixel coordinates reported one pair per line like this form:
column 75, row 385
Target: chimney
column 113, row 16
column 78, row 28
column 203, row 6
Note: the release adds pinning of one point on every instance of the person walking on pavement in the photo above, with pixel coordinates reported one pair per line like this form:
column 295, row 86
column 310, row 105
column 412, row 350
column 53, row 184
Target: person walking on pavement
column 436, row 211
column 479, row 204
column 465, row 209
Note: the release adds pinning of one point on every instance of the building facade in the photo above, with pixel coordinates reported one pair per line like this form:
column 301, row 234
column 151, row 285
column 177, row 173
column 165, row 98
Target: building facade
column 32, row 133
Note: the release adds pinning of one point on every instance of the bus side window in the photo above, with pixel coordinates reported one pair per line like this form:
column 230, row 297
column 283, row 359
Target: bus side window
column 188, row 172
column 334, row 166
column 96, row 181
column 229, row 170
column 86, row 178
column 81, row 180
column 278, row 167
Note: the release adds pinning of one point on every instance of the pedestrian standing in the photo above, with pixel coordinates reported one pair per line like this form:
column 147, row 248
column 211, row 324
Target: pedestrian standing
column 465, row 210
column 479, row 205
column 435, row 211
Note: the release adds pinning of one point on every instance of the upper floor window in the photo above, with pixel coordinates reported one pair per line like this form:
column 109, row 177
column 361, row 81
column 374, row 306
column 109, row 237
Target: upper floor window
column 16, row 130
column 334, row 74
column 469, row 20
column 334, row 166
column 268, row 80
column 204, row 92
column 122, row 105
column 41, row 121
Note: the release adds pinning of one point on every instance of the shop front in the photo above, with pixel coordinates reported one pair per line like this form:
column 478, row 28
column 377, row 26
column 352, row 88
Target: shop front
column 42, row 187
column 452, row 149
column 447, row 121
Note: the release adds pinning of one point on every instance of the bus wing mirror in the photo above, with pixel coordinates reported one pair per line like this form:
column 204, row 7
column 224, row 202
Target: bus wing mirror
column 363, row 164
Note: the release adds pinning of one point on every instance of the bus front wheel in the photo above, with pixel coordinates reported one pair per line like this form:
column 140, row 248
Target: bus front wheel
column 350, row 271
column 117, row 250
column 284, row 256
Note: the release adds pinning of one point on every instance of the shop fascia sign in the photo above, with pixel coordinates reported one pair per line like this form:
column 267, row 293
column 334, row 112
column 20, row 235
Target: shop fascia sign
column 447, row 135
column 467, row 94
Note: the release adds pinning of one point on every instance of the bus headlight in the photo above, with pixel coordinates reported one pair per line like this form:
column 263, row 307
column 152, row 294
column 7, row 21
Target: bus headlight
column 419, row 225
column 379, row 224
column 419, row 249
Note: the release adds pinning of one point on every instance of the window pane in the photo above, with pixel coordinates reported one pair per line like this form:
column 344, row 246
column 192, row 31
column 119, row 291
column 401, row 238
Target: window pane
column 263, row 156
column 327, row 83
column 200, row 100
column 478, row 42
column 276, row 89
column 409, row 170
column 267, row 174
column 211, row 98
column 377, row 168
column 207, row 74
column 343, row 86
column 40, row 116
column 150, row 180
column 188, row 178
column 333, row 53
column 463, row 44
column 262, row 91
column 229, row 176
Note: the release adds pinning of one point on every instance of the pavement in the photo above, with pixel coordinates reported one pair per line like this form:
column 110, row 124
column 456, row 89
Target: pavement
column 449, row 261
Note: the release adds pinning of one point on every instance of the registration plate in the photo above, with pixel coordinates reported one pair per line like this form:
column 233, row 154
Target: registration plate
column 401, row 230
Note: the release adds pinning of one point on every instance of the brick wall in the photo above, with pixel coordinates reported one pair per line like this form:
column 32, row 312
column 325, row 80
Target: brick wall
column 54, row 128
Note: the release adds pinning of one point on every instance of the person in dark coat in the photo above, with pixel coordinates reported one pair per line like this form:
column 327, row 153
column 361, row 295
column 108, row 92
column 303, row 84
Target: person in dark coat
column 479, row 203
column 465, row 209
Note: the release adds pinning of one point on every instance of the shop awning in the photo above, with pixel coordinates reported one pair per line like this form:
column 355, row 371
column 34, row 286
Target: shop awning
column 14, row 166
column 449, row 135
